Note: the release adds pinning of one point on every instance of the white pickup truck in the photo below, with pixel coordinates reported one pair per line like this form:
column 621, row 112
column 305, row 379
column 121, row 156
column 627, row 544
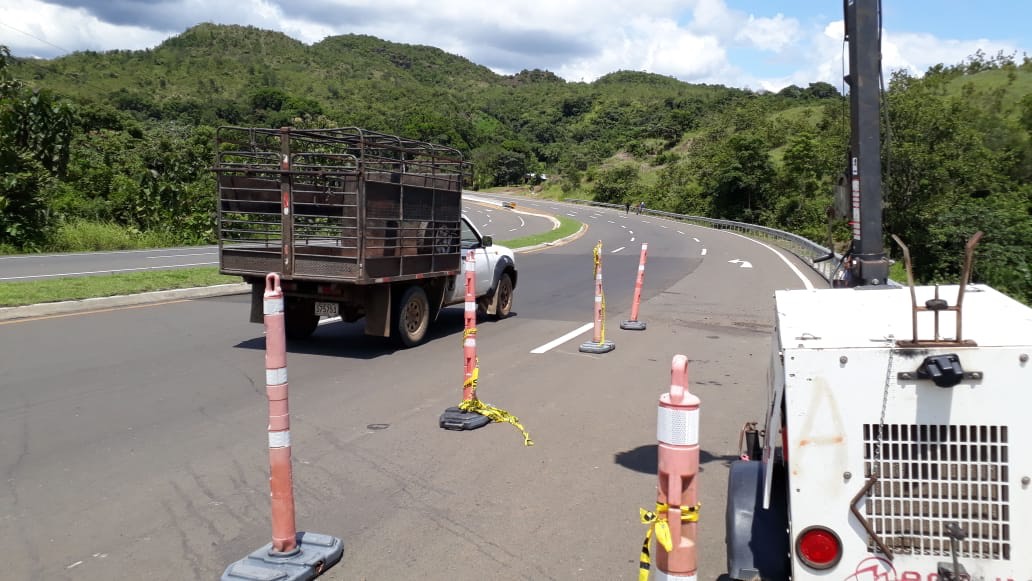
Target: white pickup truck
column 358, row 224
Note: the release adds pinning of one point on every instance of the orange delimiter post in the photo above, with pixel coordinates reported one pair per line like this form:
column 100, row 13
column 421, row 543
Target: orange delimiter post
column 284, row 531
column 677, row 431
column 469, row 341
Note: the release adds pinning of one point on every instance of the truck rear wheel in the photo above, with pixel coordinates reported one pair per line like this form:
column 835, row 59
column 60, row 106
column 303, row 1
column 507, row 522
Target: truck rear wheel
column 300, row 320
column 411, row 317
column 503, row 297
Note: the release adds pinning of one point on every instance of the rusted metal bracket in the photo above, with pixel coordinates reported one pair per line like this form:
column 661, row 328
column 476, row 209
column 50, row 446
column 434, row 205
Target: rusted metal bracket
column 936, row 305
column 863, row 521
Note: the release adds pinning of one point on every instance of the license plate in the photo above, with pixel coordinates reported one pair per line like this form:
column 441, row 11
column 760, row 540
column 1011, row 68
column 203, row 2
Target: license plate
column 327, row 309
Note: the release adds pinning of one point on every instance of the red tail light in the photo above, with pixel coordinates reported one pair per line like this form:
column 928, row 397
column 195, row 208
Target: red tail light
column 818, row 548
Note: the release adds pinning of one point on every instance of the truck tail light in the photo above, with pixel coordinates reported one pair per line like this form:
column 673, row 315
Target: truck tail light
column 818, row 548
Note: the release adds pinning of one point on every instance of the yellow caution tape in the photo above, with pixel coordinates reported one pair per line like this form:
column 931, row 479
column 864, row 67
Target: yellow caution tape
column 658, row 522
column 495, row 414
column 476, row 406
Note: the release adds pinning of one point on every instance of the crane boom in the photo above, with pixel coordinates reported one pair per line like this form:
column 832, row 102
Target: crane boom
column 863, row 32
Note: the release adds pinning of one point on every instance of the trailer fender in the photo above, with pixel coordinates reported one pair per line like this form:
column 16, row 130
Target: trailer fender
column 757, row 539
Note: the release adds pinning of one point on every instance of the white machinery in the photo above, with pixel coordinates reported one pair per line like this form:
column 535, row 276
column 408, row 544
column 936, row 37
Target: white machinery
column 891, row 457
column 894, row 446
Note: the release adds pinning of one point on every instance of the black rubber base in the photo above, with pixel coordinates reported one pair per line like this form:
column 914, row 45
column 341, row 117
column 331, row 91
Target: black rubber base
column 316, row 553
column 633, row 325
column 455, row 419
column 593, row 347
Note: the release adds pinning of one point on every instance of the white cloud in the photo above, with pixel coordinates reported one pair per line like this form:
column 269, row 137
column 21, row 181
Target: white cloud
column 38, row 29
column 772, row 34
column 918, row 52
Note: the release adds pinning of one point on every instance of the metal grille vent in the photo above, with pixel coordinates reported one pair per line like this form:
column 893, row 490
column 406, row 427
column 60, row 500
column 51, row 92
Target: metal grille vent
column 932, row 475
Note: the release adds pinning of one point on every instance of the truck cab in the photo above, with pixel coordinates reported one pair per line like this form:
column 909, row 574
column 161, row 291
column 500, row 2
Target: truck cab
column 495, row 271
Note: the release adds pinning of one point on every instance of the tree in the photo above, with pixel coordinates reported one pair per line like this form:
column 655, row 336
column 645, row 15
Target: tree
column 821, row 90
column 498, row 165
column 740, row 177
column 619, row 184
column 35, row 130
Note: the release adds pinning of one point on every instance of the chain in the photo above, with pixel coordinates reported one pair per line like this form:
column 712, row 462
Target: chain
column 884, row 403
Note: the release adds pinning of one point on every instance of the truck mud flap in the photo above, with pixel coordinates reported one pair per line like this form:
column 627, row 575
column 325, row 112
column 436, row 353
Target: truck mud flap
column 757, row 539
column 378, row 311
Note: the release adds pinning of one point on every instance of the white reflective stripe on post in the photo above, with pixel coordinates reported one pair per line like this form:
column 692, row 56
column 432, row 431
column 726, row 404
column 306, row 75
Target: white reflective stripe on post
column 641, row 267
column 598, row 299
column 276, row 376
column 273, row 306
column 678, row 427
column 279, row 439
column 471, row 307
column 469, row 342
column 658, row 575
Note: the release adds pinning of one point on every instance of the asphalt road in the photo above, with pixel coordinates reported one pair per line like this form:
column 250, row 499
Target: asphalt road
column 133, row 441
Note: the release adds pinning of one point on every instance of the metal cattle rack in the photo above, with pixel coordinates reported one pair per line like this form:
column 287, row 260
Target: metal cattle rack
column 342, row 204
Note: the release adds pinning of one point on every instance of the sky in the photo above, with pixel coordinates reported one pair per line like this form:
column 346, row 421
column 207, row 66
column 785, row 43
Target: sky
column 755, row 44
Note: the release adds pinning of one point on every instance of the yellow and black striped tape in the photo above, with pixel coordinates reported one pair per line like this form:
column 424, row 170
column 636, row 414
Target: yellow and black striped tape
column 657, row 520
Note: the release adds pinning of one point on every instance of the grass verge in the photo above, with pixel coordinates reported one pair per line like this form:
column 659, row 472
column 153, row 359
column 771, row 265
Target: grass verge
column 20, row 293
column 566, row 228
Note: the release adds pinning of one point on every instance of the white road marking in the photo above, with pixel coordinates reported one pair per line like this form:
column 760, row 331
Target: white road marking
column 695, row 239
column 513, row 229
column 622, row 226
column 75, row 564
column 664, row 227
column 612, row 222
column 618, row 249
column 632, row 238
column 571, row 214
column 522, row 223
column 806, row 282
column 679, row 232
column 741, row 263
column 181, row 255
column 108, row 271
column 704, row 252
column 557, row 342
column 631, row 232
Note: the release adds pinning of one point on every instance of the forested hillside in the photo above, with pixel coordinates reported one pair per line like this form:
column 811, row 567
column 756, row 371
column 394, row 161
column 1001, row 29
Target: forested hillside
column 122, row 140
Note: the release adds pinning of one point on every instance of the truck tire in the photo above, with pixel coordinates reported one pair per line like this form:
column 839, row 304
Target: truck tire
column 411, row 317
column 503, row 296
column 300, row 320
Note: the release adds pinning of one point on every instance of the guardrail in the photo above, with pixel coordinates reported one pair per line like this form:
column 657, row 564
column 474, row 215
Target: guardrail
column 822, row 260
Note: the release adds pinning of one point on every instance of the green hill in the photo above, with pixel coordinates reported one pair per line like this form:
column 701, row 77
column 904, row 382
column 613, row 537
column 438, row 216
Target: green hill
column 134, row 146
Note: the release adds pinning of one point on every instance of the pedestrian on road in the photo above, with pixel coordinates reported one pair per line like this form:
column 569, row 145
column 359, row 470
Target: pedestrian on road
column 627, row 207
column 641, row 207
